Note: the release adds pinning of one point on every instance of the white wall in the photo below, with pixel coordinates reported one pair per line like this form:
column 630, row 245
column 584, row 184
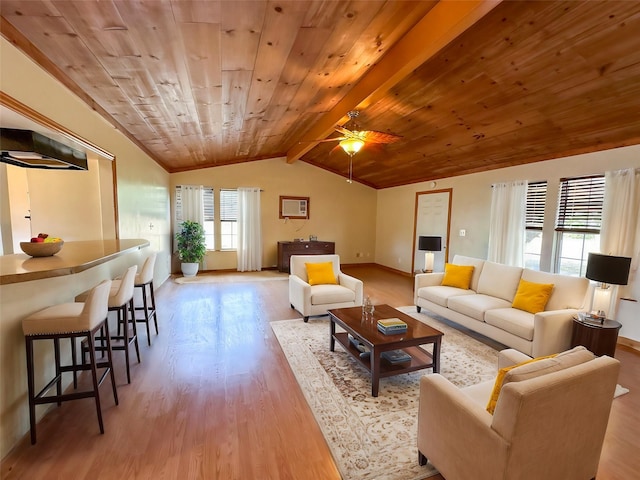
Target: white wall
column 142, row 185
column 471, row 210
column 338, row 211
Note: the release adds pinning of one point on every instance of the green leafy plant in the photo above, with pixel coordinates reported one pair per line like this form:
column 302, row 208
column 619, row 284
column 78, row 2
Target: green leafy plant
column 191, row 245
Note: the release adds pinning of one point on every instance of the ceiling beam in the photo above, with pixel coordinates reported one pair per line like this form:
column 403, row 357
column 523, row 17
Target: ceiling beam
column 441, row 25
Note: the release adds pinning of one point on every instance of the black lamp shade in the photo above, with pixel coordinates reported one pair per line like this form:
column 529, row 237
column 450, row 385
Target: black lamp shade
column 608, row 269
column 430, row 244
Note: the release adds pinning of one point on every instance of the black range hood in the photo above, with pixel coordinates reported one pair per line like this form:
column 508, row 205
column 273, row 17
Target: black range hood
column 26, row 148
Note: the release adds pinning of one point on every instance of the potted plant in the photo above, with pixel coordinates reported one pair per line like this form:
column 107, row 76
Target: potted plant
column 191, row 247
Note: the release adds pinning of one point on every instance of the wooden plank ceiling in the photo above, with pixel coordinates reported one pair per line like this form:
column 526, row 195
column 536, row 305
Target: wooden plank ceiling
column 470, row 86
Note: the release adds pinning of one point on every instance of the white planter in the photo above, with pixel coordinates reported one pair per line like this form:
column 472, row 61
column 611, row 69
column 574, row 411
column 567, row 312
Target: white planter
column 189, row 269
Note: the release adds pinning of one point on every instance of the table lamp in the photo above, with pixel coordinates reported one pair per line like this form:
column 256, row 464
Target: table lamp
column 608, row 270
column 429, row 245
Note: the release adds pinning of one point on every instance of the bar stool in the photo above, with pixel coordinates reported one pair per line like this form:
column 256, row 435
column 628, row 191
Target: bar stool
column 120, row 297
column 72, row 321
column 143, row 280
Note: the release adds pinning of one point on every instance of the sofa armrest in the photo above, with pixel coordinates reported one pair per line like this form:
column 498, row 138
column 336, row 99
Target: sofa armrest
column 352, row 283
column 510, row 357
column 455, row 434
column 299, row 293
column 427, row 280
column 552, row 331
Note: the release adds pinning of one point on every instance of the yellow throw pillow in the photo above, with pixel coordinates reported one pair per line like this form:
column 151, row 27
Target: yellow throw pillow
column 321, row 273
column 532, row 297
column 497, row 386
column 457, row 275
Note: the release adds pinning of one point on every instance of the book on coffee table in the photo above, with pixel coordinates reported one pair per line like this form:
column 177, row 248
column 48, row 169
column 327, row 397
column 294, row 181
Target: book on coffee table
column 391, row 326
column 396, row 356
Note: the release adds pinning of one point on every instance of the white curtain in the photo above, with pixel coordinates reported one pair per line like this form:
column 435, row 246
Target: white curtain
column 192, row 206
column 507, row 223
column 249, row 230
column 620, row 231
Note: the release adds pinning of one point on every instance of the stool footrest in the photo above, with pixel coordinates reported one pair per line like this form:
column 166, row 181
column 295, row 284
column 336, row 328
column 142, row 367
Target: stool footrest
column 70, row 396
column 41, row 399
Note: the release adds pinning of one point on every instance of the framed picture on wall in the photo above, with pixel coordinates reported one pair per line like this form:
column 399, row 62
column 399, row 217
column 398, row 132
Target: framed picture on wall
column 294, row 207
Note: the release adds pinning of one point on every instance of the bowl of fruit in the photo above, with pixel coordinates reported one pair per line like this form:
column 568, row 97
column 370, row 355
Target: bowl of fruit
column 42, row 246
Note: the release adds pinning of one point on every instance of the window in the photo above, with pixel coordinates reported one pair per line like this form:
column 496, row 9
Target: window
column 536, row 199
column 578, row 223
column 207, row 203
column 228, row 219
column 209, row 224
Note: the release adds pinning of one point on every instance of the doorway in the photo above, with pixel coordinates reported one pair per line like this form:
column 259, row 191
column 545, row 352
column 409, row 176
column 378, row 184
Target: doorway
column 432, row 217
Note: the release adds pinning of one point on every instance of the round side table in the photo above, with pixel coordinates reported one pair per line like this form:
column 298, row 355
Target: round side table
column 599, row 338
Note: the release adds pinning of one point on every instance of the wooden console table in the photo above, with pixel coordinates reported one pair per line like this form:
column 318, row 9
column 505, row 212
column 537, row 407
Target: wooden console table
column 286, row 249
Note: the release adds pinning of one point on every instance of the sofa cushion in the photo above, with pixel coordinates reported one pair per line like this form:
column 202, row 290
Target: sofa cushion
column 537, row 367
column 477, row 270
column 499, row 280
column 540, row 366
column 475, row 306
column 439, row 294
column 512, row 320
column 568, row 292
column 532, row 297
column 321, row 273
column 325, row 294
column 499, row 382
column 566, row 359
column 458, row 276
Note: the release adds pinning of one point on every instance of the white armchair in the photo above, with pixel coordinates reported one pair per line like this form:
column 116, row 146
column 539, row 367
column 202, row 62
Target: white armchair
column 549, row 421
column 317, row 299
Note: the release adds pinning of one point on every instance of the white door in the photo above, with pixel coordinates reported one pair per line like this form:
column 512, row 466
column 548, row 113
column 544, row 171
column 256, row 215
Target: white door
column 432, row 219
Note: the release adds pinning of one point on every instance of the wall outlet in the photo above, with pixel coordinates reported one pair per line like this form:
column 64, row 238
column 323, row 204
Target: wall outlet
column 463, row 232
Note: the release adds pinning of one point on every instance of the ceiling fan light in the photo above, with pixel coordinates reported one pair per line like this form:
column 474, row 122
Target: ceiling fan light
column 351, row 145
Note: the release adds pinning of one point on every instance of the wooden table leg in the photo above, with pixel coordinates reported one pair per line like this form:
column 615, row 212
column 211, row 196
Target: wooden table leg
column 332, row 332
column 375, row 371
column 436, row 356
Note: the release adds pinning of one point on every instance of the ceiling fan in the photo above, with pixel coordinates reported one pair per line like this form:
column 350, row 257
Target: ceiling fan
column 353, row 138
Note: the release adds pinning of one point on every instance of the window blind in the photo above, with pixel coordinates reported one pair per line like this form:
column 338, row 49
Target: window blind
column 207, row 203
column 580, row 204
column 536, row 198
column 228, row 205
column 178, row 205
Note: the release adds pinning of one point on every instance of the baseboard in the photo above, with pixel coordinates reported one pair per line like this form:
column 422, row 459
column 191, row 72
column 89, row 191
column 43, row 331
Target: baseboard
column 352, row 265
column 393, row 270
column 629, row 342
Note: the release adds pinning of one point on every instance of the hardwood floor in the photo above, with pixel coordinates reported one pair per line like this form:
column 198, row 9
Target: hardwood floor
column 214, row 398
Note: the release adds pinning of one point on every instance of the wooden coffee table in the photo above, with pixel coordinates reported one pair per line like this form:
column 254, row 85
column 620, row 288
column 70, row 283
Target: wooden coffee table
column 418, row 333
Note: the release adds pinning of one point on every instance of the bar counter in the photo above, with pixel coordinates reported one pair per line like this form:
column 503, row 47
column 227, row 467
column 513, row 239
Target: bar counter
column 30, row 284
column 75, row 257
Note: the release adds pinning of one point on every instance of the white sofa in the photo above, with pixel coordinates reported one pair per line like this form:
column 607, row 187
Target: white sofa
column 486, row 306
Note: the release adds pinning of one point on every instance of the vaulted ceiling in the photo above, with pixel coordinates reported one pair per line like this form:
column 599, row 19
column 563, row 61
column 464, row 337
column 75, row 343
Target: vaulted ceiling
column 469, row 86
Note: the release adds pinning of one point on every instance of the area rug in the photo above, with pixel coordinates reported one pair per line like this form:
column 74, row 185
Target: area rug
column 373, row 438
column 620, row 390
column 233, row 277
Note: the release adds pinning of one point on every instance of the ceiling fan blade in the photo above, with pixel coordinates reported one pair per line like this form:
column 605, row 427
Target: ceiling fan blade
column 373, row 136
column 324, row 140
column 344, row 131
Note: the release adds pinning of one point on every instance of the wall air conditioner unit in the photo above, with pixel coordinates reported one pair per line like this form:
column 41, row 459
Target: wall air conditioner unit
column 294, row 207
